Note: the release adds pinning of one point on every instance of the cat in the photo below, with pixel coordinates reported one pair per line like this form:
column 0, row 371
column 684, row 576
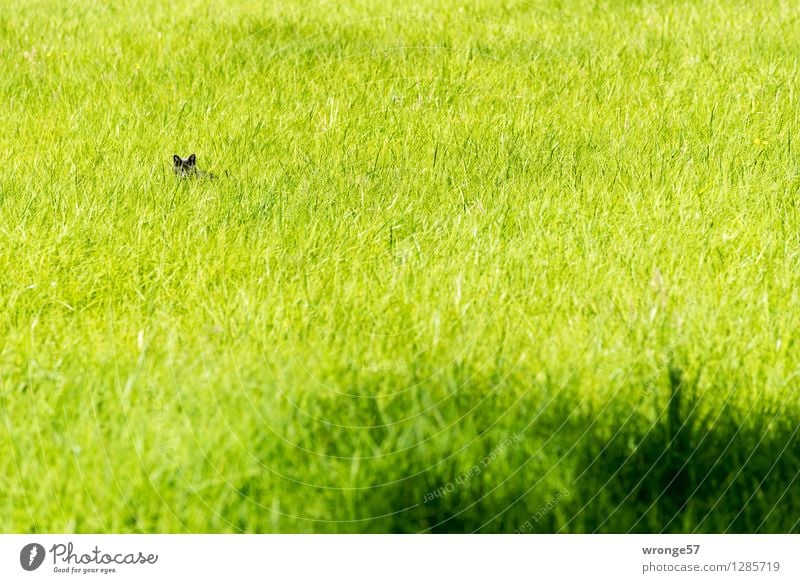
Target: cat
column 186, row 167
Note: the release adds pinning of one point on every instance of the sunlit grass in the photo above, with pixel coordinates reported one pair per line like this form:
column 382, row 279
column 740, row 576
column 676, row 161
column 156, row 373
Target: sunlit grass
column 437, row 228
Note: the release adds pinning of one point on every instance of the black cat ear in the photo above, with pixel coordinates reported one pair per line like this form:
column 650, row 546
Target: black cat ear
column 192, row 160
column 176, row 160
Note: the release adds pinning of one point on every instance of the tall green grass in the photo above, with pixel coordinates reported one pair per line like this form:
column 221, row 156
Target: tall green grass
column 469, row 266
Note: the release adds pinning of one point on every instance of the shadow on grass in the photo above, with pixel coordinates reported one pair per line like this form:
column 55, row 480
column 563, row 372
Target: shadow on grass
column 548, row 466
column 694, row 470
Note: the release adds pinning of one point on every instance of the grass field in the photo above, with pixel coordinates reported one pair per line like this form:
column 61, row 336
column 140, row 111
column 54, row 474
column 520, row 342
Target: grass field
column 479, row 265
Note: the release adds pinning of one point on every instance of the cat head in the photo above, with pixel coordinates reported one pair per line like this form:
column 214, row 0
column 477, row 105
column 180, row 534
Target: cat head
column 184, row 166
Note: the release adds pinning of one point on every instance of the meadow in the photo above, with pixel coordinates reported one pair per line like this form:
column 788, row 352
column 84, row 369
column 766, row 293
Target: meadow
column 468, row 266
